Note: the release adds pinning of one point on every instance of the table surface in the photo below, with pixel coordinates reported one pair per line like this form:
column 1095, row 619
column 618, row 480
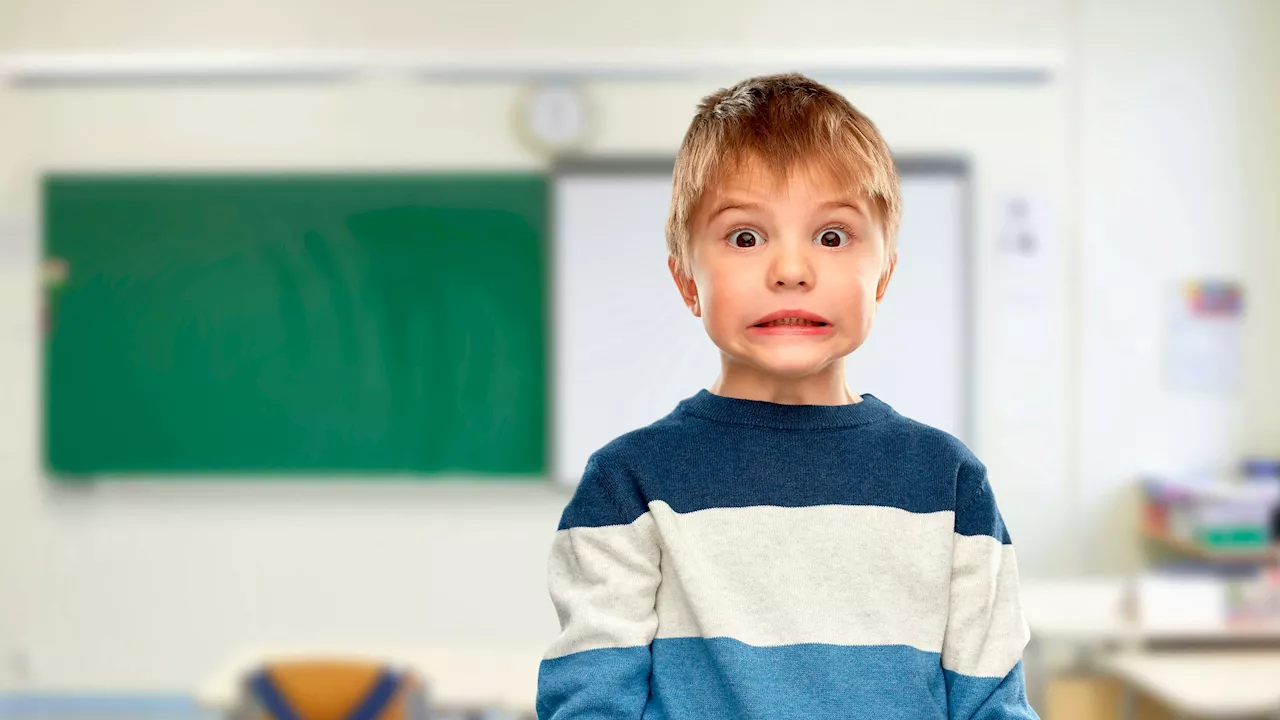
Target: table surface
column 1221, row 685
column 1089, row 610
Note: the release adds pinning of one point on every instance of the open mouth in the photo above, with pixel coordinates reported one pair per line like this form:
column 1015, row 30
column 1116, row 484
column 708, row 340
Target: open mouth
column 792, row 322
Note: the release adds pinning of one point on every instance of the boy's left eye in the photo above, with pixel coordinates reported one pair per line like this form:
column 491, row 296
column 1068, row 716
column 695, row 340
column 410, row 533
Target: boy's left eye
column 832, row 238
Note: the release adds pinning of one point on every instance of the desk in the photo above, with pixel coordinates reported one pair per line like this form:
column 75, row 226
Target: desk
column 1089, row 612
column 1217, row 685
column 1086, row 616
column 471, row 675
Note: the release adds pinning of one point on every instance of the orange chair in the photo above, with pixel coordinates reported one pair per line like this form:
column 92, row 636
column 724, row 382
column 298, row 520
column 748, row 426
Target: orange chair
column 332, row 690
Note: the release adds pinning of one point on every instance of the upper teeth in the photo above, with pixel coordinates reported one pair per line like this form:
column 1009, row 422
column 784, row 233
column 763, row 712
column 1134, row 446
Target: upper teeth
column 791, row 321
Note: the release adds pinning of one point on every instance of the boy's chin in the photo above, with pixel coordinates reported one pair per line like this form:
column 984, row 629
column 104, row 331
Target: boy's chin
column 793, row 365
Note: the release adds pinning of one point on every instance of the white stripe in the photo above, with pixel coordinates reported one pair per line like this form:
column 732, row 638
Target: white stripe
column 838, row 574
column 768, row 576
column 987, row 631
column 603, row 581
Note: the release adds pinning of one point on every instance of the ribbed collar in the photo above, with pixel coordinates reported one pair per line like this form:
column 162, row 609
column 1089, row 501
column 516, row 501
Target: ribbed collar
column 757, row 413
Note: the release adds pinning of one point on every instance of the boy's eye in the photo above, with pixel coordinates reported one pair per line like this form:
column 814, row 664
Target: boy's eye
column 744, row 239
column 833, row 238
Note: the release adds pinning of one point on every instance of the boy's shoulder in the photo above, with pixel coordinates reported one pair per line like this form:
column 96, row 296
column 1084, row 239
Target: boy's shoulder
column 610, row 490
column 932, row 442
column 645, row 443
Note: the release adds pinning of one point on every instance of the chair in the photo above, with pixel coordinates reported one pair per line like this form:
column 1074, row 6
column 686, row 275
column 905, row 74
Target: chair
column 332, row 689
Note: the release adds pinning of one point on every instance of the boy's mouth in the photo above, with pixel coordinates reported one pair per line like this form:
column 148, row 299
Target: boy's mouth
column 792, row 322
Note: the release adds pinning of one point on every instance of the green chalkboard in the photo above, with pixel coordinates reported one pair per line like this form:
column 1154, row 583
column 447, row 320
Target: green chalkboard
column 296, row 325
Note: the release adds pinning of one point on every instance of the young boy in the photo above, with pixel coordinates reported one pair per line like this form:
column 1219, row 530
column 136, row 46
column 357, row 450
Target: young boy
column 777, row 547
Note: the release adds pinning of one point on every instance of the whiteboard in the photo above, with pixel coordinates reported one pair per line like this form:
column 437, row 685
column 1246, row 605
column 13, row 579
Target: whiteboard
column 627, row 350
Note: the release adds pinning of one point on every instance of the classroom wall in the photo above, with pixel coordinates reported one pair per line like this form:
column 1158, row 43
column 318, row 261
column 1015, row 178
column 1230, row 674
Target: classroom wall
column 1262, row 422
column 1178, row 107
column 147, row 586
column 106, row 25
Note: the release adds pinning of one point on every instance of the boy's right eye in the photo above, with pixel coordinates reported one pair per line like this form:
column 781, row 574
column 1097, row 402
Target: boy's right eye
column 744, row 239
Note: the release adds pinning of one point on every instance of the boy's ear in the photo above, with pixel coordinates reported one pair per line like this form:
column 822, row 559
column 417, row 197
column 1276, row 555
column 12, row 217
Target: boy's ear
column 688, row 290
column 887, row 275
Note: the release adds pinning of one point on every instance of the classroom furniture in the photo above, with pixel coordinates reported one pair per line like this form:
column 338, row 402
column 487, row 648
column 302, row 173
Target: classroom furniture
column 1203, row 684
column 332, row 689
column 1090, row 613
column 1091, row 696
column 610, row 269
column 1087, row 618
column 1211, row 518
column 471, row 675
column 1163, row 539
column 295, row 324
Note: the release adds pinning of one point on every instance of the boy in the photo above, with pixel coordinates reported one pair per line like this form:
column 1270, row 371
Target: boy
column 777, row 547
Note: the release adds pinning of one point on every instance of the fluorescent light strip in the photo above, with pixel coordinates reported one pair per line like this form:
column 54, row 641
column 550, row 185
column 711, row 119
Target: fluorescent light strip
column 894, row 67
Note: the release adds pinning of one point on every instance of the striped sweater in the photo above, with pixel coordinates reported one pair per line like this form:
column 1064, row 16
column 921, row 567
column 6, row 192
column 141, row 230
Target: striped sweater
column 743, row 559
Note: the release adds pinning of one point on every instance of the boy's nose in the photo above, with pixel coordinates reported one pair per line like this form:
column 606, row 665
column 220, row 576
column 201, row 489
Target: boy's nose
column 790, row 269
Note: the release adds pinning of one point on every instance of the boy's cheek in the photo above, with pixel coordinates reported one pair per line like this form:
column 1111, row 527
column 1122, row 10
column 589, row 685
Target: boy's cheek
column 859, row 292
column 720, row 323
column 723, row 305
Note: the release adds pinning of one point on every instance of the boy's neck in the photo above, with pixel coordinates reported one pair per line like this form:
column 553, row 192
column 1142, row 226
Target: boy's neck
column 826, row 387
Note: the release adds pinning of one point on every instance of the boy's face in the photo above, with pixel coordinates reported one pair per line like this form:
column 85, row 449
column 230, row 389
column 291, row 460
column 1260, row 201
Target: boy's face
column 787, row 276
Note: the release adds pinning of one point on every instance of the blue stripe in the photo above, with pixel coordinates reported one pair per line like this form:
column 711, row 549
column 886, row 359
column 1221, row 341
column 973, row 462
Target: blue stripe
column 266, row 692
column 995, row 698
column 609, row 683
column 693, row 464
column 724, row 679
column 378, row 698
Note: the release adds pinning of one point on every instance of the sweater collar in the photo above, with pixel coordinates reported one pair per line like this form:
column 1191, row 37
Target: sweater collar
column 756, row 413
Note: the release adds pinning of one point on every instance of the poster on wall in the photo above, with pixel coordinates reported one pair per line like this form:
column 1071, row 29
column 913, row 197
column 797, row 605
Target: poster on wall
column 1202, row 353
column 1025, row 254
column 1025, row 308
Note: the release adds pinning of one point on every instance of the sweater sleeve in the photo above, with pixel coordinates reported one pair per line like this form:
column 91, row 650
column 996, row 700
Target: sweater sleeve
column 986, row 632
column 603, row 576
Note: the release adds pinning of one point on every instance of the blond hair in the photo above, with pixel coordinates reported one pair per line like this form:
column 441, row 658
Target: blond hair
column 784, row 121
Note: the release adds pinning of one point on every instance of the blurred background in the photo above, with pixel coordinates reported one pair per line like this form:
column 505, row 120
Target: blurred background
column 310, row 313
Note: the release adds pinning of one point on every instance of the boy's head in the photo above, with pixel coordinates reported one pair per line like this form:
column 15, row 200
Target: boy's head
column 783, row 223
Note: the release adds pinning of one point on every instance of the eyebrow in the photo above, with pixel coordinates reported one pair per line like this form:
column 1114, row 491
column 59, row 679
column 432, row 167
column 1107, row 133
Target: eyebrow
column 732, row 205
column 852, row 204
